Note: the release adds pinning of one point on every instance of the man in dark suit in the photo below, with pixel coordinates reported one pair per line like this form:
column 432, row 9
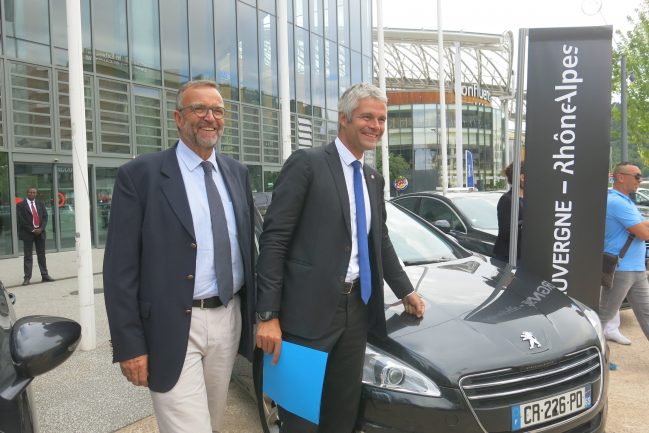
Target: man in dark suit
column 178, row 268
column 324, row 253
column 32, row 220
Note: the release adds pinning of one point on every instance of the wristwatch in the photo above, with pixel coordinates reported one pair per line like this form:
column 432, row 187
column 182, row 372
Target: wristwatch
column 265, row 316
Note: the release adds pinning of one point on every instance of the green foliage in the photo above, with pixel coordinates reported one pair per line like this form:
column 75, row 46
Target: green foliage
column 399, row 167
column 634, row 44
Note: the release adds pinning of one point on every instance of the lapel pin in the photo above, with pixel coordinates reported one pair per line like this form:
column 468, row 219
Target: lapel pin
column 372, row 176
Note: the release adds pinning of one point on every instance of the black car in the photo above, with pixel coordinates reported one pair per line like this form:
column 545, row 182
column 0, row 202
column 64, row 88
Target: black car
column 29, row 346
column 495, row 351
column 470, row 217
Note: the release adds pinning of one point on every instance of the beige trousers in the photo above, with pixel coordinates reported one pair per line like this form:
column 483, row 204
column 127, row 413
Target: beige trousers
column 196, row 404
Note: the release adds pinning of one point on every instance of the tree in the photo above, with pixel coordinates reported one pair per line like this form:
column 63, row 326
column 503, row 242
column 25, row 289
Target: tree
column 634, row 44
column 399, row 167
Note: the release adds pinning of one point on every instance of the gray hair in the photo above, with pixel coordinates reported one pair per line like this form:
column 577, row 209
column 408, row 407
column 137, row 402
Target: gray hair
column 351, row 98
column 189, row 85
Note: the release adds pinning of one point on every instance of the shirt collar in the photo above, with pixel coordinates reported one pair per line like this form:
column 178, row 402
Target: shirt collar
column 190, row 159
column 614, row 191
column 345, row 155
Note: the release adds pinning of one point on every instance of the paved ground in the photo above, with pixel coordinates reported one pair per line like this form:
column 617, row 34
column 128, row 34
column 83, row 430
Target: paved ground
column 88, row 394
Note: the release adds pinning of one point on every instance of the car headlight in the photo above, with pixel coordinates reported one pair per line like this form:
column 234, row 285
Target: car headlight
column 593, row 318
column 383, row 371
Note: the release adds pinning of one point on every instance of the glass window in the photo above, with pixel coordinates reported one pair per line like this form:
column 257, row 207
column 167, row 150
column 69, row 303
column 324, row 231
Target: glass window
column 201, row 39
column 63, row 214
column 105, row 179
column 366, row 28
column 356, row 68
column 114, row 117
column 63, row 109
column 301, row 13
column 86, row 35
column 248, row 54
column 302, row 72
column 344, row 72
column 2, row 140
column 31, row 106
column 109, row 30
column 270, row 135
column 59, row 32
column 304, row 132
column 330, row 11
column 231, row 141
column 254, row 172
column 270, row 177
column 226, row 50
column 145, row 39
column 317, row 17
column 6, row 244
column 291, row 66
column 434, row 210
column 175, row 56
column 318, row 75
column 354, row 27
column 27, row 30
column 331, row 75
column 148, row 113
column 368, row 75
column 172, row 129
column 409, row 203
column 268, row 60
column 265, row 5
column 250, row 130
column 343, row 22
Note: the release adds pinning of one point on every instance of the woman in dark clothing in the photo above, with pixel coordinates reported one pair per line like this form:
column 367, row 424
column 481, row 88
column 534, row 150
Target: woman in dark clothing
column 501, row 247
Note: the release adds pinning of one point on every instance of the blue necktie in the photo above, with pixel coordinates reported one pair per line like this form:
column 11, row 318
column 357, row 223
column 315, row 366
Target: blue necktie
column 221, row 238
column 361, row 233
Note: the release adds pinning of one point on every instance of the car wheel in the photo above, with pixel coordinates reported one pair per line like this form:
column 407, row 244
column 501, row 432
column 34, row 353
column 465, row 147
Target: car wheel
column 267, row 408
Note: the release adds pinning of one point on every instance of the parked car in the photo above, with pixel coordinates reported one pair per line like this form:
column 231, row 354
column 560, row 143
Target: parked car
column 495, row 351
column 29, row 346
column 471, row 217
column 262, row 200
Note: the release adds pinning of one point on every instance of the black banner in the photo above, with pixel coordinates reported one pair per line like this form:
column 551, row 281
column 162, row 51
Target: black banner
column 566, row 157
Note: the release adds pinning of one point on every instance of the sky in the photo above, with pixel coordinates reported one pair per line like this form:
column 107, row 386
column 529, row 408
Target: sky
column 498, row 16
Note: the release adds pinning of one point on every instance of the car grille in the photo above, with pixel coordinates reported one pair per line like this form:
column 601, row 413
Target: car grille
column 500, row 389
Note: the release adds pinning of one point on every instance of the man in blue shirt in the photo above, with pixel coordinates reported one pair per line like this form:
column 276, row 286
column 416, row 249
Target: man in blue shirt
column 622, row 219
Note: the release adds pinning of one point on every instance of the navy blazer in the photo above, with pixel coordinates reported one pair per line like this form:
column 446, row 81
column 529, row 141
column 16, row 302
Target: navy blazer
column 306, row 245
column 150, row 261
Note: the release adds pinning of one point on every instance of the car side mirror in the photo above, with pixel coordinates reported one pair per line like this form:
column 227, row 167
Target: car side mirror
column 443, row 225
column 40, row 343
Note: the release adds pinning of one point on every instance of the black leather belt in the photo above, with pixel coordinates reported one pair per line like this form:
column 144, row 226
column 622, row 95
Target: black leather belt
column 213, row 302
column 348, row 287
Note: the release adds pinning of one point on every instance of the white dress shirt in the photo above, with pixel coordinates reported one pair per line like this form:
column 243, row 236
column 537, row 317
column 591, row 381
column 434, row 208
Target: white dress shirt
column 346, row 159
column 205, row 285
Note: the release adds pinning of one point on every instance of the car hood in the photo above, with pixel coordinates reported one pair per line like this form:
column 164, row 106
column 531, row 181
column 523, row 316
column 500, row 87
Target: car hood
column 476, row 313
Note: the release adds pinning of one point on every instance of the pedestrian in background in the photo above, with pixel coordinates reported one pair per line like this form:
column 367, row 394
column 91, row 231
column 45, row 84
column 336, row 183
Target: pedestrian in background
column 504, row 210
column 32, row 221
column 622, row 219
column 324, row 254
column 178, row 268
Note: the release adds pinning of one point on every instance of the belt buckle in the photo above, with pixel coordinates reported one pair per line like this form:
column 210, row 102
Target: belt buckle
column 202, row 304
column 348, row 287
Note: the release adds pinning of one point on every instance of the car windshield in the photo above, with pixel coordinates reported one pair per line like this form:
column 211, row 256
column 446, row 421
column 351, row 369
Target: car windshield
column 480, row 210
column 415, row 242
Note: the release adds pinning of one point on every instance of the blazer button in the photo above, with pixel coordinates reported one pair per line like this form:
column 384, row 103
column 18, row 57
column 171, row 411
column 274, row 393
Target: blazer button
column 193, row 245
column 190, row 277
column 188, row 311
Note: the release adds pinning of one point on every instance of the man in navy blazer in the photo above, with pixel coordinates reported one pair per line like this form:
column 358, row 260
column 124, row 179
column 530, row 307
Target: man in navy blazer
column 310, row 260
column 175, row 325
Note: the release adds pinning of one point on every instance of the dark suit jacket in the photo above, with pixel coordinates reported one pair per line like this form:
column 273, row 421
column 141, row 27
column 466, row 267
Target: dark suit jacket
column 26, row 222
column 150, row 261
column 306, row 245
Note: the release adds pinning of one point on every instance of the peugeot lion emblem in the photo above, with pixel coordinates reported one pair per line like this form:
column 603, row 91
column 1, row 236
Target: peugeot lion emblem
column 528, row 336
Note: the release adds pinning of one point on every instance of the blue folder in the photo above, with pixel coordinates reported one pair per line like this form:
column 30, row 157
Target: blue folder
column 295, row 382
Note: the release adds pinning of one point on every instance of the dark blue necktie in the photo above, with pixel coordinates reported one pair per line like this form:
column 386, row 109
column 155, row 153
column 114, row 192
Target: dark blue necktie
column 222, row 251
column 361, row 233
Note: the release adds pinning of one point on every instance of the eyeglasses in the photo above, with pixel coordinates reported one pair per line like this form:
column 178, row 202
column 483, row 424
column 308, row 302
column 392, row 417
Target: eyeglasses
column 202, row 110
column 637, row 176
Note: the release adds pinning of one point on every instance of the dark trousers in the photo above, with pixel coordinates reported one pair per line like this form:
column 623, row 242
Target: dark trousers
column 345, row 342
column 39, row 241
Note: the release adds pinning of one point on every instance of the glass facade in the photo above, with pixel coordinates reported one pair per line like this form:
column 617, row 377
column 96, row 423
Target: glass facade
column 414, row 134
column 136, row 53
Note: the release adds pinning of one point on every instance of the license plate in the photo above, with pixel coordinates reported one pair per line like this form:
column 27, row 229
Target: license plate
column 547, row 409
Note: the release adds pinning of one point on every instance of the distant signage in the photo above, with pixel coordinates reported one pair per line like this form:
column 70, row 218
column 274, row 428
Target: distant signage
column 476, row 91
column 401, row 184
column 470, row 180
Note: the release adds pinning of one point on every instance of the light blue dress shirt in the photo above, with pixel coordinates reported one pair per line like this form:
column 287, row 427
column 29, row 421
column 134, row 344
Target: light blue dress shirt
column 205, row 285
